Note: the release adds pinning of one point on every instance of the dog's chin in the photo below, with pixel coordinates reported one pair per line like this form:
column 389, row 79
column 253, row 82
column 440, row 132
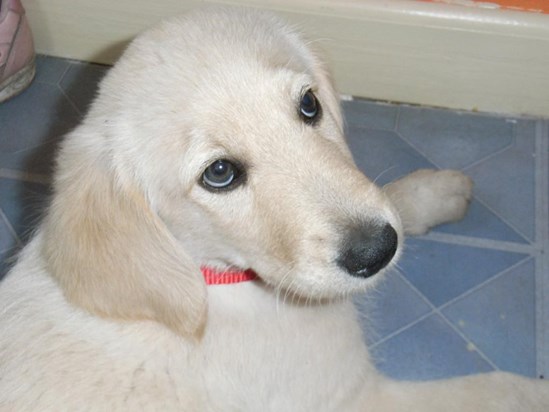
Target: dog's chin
column 319, row 285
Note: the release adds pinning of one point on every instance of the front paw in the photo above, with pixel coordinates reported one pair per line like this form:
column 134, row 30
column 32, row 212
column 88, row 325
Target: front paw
column 427, row 198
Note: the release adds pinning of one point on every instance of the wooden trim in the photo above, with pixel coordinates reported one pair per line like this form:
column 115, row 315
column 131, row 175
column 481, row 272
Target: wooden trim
column 400, row 50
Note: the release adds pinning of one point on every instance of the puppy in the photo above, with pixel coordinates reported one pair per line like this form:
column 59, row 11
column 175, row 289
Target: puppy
column 216, row 145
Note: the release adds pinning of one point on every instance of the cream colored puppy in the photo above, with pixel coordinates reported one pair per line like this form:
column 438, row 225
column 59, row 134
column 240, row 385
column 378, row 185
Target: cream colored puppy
column 217, row 141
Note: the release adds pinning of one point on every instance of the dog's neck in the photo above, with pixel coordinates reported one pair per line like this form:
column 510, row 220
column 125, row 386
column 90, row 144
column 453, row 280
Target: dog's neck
column 214, row 276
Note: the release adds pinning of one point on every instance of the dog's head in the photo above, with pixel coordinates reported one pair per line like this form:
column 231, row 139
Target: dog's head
column 216, row 140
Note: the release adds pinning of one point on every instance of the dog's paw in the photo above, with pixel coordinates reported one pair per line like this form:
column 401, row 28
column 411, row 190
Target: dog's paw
column 427, row 198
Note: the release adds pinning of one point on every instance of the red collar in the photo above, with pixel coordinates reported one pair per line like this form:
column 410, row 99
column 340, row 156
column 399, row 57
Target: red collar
column 214, row 276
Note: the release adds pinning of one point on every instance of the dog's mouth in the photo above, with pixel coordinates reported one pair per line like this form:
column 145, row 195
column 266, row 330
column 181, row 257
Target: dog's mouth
column 365, row 251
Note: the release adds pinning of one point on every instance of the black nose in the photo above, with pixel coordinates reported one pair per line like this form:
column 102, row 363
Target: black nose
column 367, row 249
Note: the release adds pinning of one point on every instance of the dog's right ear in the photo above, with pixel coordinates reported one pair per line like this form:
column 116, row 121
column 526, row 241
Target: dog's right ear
column 112, row 255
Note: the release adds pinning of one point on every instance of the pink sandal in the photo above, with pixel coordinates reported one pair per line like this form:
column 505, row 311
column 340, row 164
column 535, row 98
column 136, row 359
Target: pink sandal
column 16, row 50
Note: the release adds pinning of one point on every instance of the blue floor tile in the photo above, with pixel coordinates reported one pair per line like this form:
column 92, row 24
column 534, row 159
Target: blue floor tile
column 429, row 349
column 80, row 83
column 390, row 307
column 500, row 319
column 7, row 239
column 50, row 69
column 504, row 178
column 382, row 155
column 525, row 136
column 454, row 140
column 443, row 272
column 34, row 121
column 7, row 259
column 480, row 222
column 23, row 204
column 362, row 113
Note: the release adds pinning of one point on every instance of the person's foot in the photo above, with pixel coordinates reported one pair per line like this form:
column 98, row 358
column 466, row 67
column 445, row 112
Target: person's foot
column 16, row 49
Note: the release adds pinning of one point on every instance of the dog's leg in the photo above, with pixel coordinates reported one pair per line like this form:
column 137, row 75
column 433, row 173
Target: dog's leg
column 491, row 392
column 427, row 198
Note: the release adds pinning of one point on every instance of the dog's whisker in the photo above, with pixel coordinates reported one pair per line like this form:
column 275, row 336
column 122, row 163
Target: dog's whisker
column 280, row 287
column 313, row 42
column 288, row 289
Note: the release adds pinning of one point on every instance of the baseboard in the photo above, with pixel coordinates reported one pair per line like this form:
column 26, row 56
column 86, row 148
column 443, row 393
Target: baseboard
column 400, row 50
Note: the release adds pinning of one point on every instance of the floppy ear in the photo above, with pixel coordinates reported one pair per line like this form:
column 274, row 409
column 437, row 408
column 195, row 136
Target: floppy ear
column 113, row 256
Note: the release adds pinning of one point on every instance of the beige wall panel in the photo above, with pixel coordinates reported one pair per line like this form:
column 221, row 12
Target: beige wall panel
column 399, row 50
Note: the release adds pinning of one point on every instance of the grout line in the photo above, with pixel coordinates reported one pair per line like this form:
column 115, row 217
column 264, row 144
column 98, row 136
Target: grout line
column 58, row 78
column 69, row 100
column 519, row 232
column 437, row 311
column 24, row 176
column 478, row 197
column 401, row 329
column 463, row 336
column 542, row 237
column 491, row 155
column 69, row 66
column 484, row 283
column 398, row 132
column 530, row 249
column 11, row 230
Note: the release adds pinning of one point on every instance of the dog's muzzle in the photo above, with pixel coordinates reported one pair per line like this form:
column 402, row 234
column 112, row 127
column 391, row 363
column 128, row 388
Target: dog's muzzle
column 367, row 249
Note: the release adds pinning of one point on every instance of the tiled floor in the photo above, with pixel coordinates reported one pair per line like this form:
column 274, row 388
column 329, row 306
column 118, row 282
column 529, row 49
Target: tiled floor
column 471, row 296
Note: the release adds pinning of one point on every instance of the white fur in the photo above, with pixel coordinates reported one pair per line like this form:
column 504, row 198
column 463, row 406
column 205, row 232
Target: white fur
column 106, row 309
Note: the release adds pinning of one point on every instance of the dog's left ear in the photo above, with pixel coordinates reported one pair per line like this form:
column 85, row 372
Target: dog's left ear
column 111, row 254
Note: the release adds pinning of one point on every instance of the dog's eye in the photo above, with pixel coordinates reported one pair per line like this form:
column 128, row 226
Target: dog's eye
column 221, row 174
column 309, row 107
